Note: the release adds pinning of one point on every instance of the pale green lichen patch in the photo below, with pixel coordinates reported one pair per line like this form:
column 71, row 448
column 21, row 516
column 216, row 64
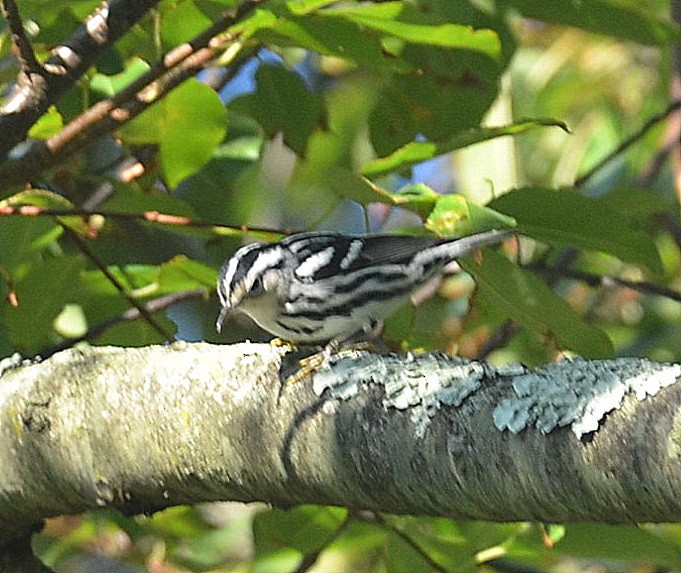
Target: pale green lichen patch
column 422, row 383
column 579, row 393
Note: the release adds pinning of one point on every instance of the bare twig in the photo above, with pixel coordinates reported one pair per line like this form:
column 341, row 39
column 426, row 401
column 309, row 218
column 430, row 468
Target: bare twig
column 160, row 303
column 85, row 249
column 23, row 49
column 595, row 280
column 628, row 142
column 221, row 229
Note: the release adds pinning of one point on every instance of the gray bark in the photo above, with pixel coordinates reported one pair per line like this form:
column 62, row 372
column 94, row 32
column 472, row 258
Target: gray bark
column 140, row 429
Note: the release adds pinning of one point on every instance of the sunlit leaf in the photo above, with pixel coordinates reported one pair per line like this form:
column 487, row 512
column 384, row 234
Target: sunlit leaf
column 417, row 151
column 49, row 124
column 193, row 125
column 399, row 20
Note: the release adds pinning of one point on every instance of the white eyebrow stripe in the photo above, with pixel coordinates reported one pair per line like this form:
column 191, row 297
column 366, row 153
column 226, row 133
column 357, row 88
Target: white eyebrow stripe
column 354, row 250
column 315, row 262
column 265, row 259
column 226, row 279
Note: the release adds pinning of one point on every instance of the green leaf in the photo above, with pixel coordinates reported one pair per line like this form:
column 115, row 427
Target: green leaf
column 453, row 215
column 450, row 92
column 188, row 125
column 109, row 85
column 129, row 200
column 182, row 273
column 302, row 7
column 282, row 103
column 28, row 236
column 194, row 123
column 42, row 198
column 401, row 557
column 327, row 36
column 627, row 543
column 400, row 21
column 49, row 124
column 633, row 23
column 508, row 291
column 417, row 151
column 180, row 22
column 40, row 300
column 566, row 217
column 306, row 528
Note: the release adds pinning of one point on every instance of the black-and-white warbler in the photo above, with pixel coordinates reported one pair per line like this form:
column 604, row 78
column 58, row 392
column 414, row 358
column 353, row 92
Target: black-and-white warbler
column 314, row 288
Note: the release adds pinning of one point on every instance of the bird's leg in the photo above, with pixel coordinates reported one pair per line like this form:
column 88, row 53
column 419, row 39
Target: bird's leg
column 281, row 343
column 335, row 349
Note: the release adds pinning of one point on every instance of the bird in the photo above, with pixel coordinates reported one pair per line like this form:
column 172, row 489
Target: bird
column 318, row 288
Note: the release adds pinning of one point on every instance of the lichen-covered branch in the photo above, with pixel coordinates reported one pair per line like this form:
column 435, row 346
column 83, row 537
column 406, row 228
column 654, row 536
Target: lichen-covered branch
column 140, row 429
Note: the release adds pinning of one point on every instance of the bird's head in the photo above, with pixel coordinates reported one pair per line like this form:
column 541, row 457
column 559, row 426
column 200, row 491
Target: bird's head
column 248, row 282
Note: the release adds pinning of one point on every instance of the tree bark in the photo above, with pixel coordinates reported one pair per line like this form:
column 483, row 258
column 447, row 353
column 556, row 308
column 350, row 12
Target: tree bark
column 140, row 429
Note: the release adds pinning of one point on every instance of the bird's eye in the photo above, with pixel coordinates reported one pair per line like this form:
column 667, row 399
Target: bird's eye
column 257, row 288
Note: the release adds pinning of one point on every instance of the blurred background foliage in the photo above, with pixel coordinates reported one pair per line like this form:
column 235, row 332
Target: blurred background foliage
column 387, row 117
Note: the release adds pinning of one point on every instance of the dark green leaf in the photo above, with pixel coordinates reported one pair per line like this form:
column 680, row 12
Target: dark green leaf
column 450, row 92
column 41, row 298
column 282, row 103
column 633, row 23
column 631, row 544
column 565, row 217
column 306, row 528
column 508, row 291
column 127, row 200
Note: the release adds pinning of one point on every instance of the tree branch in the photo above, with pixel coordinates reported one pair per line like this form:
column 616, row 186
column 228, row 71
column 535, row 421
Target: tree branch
column 106, row 116
column 36, row 91
column 140, row 429
column 22, row 47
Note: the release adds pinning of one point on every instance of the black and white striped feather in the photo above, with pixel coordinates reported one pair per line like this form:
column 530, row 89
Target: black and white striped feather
column 316, row 287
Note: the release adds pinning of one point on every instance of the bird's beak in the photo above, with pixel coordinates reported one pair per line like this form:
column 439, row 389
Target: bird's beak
column 224, row 314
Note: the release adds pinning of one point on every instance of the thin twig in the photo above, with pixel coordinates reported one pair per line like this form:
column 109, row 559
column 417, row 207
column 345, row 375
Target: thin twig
column 23, row 48
column 628, row 142
column 146, row 216
column 85, row 249
column 595, row 280
column 383, row 522
column 160, row 303
column 310, row 559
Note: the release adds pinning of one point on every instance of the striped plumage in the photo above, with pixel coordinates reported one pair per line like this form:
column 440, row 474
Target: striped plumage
column 316, row 287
